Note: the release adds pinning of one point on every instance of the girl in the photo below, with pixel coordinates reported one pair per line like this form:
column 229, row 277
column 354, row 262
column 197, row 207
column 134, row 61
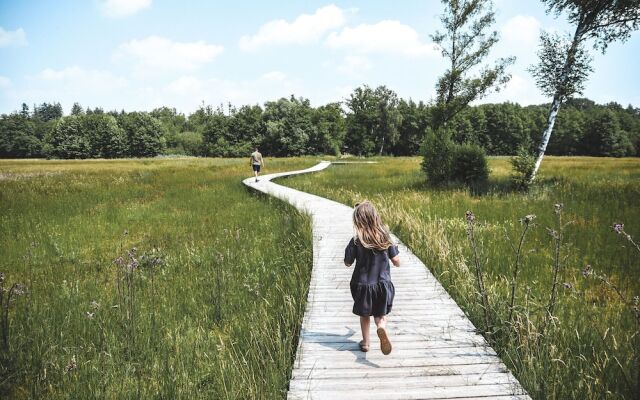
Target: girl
column 371, row 286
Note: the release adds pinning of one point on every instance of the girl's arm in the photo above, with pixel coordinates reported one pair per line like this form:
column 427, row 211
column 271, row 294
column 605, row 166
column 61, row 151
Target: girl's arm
column 396, row 260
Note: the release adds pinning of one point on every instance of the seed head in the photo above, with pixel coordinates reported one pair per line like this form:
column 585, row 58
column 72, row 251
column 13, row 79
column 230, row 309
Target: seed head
column 587, row 270
column 469, row 216
column 558, row 207
column 567, row 285
column 618, row 228
column 528, row 218
column 1, row 277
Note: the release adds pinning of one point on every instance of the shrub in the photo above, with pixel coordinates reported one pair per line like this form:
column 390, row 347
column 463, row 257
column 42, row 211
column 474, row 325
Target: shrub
column 469, row 164
column 523, row 164
column 437, row 151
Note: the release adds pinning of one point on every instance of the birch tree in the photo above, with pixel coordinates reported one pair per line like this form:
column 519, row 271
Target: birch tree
column 565, row 64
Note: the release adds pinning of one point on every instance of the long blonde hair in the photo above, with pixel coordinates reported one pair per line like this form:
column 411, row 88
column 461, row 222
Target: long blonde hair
column 370, row 230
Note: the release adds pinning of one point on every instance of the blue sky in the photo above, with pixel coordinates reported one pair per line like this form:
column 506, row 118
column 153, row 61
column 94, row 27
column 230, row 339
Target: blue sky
column 141, row 54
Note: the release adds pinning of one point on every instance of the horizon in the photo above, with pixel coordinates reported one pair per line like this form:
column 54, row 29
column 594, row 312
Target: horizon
column 143, row 54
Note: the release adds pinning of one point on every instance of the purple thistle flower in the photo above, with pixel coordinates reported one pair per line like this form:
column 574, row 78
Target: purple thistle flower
column 619, row 228
column 469, row 216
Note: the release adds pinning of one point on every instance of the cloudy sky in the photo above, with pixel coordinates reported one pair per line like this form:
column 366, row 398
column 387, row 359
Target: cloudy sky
column 140, row 54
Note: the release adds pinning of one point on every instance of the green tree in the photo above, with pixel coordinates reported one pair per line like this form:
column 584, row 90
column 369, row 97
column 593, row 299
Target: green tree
column 603, row 136
column 564, row 64
column 144, row 134
column 414, row 121
column 76, row 109
column 18, row 138
column 373, row 121
column 465, row 43
column 106, row 139
column 329, row 132
column 68, row 139
column 288, row 127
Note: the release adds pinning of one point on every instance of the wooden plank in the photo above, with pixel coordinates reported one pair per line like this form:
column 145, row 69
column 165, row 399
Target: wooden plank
column 437, row 351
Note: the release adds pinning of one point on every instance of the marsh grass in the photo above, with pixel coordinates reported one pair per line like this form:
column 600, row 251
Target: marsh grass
column 208, row 305
column 566, row 335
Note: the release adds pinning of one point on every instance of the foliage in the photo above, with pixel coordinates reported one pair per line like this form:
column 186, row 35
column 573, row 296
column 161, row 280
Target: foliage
column 438, row 156
column 144, row 133
column 469, row 165
column 522, row 164
column 465, row 44
column 373, row 121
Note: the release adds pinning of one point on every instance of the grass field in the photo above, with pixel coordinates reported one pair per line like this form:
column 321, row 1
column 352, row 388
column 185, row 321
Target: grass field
column 587, row 349
column 208, row 305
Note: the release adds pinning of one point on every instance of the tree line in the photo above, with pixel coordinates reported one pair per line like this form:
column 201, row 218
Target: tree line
column 369, row 122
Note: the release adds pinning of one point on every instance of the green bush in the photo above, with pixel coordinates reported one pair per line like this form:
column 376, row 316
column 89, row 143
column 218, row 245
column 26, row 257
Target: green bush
column 446, row 162
column 437, row 151
column 469, row 164
column 523, row 164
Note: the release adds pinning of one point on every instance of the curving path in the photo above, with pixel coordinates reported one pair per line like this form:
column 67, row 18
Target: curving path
column 437, row 353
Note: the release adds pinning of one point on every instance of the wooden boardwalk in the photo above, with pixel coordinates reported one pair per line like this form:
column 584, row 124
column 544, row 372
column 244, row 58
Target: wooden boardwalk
column 437, row 353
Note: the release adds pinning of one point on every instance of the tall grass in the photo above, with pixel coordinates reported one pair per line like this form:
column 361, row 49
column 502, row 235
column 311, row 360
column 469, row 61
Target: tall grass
column 149, row 278
column 568, row 333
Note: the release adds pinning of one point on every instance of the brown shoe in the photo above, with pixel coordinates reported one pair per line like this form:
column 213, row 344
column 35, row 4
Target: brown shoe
column 363, row 347
column 385, row 343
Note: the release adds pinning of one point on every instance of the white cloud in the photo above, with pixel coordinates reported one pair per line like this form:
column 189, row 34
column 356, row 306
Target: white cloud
column 519, row 89
column 122, row 8
column 354, row 65
column 521, row 30
column 390, row 37
column 156, row 53
column 13, row 38
column 304, row 29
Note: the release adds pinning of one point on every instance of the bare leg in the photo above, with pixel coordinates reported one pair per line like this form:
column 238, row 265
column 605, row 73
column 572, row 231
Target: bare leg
column 364, row 325
column 381, row 322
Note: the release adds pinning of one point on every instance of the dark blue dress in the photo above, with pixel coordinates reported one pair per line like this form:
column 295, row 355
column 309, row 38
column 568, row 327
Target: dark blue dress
column 371, row 286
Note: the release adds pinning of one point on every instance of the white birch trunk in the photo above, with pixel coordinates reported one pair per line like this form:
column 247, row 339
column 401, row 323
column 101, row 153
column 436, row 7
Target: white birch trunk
column 557, row 100
column 551, row 120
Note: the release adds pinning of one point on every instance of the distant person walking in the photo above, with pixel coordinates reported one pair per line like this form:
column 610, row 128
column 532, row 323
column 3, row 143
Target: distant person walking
column 371, row 286
column 256, row 162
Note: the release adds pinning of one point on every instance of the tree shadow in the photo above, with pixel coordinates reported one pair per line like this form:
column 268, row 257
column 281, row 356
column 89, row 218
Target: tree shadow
column 340, row 343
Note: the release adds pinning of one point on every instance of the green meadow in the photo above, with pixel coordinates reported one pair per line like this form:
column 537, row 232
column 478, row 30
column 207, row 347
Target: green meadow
column 167, row 278
column 588, row 346
column 148, row 278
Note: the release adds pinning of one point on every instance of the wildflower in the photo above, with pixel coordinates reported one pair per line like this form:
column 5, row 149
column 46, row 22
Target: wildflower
column 18, row 289
column 469, row 216
column 95, row 305
column 619, row 228
column 636, row 300
column 587, row 270
column 567, row 285
column 553, row 233
column 1, row 277
column 558, row 207
column 72, row 365
column 126, row 232
column 528, row 218
column 89, row 315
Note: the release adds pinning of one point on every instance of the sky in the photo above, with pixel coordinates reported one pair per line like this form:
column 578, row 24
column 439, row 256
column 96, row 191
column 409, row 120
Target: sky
column 142, row 54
